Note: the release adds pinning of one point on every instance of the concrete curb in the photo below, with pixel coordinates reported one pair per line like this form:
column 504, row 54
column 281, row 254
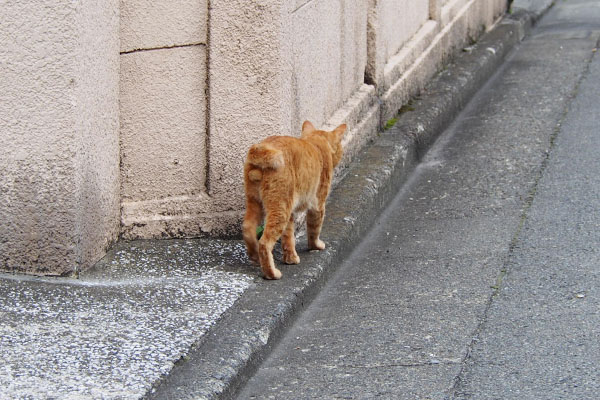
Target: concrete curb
column 232, row 350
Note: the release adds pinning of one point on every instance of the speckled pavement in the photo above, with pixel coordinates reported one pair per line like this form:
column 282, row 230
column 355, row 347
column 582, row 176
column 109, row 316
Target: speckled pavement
column 192, row 318
column 117, row 329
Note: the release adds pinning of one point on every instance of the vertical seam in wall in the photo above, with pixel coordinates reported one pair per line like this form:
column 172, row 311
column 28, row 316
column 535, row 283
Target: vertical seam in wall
column 80, row 154
column 369, row 74
column 342, row 43
column 207, row 114
column 119, row 139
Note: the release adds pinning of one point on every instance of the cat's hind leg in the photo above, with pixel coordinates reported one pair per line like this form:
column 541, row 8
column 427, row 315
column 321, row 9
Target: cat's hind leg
column 252, row 218
column 314, row 221
column 288, row 243
column 276, row 221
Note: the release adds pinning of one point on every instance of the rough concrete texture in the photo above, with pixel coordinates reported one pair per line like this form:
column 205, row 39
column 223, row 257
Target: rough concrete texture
column 329, row 56
column 156, row 24
column 251, row 327
column 414, row 313
column 59, row 165
column 398, row 22
column 451, row 9
column 249, row 88
column 295, row 77
column 119, row 328
column 163, row 108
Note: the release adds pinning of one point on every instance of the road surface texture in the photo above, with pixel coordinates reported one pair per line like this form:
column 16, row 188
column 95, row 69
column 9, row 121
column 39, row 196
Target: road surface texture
column 481, row 279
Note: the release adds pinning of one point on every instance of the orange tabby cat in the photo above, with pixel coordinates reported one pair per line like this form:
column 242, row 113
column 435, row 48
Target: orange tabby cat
column 285, row 175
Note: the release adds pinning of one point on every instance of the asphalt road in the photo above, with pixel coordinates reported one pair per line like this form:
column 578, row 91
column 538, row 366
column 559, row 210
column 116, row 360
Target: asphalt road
column 481, row 278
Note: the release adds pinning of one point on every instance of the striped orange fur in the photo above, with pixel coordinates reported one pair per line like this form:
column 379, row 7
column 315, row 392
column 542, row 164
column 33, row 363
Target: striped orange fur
column 283, row 176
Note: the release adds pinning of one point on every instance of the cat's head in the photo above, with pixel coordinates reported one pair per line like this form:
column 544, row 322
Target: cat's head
column 334, row 138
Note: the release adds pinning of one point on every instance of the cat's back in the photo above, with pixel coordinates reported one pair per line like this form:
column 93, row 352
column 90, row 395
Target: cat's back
column 292, row 147
column 285, row 143
column 283, row 158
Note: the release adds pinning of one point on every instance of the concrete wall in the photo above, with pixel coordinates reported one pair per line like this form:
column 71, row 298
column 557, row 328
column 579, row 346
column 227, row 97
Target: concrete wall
column 399, row 21
column 163, row 107
column 271, row 66
column 59, row 155
column 197, row 85
column 328, row 49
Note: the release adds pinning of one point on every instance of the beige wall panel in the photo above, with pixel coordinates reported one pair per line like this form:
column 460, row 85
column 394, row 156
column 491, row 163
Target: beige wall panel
column 250, row 89
column 398, row 65
column 149, row 24
column 329, row 47
column 452, row 8
column 354, row 46
column 399, row 21
column 494, row 10
column 271, row 67
column 59, row 146
column 97, row 124
column 163, row 152
column 392, row 25
column 317, row 51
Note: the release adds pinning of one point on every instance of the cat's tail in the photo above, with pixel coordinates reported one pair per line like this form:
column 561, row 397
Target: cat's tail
column 262, row 156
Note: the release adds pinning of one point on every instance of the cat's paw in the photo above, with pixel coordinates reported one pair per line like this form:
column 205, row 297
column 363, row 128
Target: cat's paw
column 318, row 245
column 291, row 258
column 273, row 273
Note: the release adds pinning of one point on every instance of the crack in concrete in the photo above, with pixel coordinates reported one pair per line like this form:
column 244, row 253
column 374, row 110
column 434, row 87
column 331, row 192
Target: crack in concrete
column 444, row 361
column 174, row 46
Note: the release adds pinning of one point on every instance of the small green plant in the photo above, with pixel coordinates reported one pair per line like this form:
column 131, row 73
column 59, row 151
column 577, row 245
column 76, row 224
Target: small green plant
column 259, row 231
column 406, row 107
column 390, row 122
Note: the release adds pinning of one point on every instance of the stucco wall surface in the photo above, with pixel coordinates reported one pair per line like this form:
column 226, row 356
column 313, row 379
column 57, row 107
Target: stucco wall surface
column 163, row 124
column 329, row 50
column 163, row 105
column 148, row 24
column 273, row 65
column 399, row 21
column 250, row 88
column 97, row 124
column 59, row 148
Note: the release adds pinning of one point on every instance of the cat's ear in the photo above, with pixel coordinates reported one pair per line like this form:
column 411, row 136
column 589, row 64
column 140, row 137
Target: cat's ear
column 339, row 132
column 307, row 127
